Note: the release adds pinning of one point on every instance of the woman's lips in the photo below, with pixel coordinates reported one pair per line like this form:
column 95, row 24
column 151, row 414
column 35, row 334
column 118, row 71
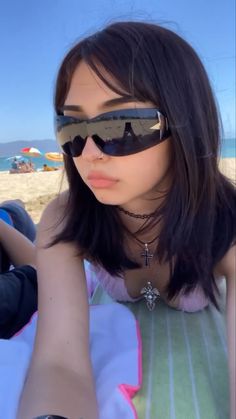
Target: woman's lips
column 101, row 183
column 99, row 180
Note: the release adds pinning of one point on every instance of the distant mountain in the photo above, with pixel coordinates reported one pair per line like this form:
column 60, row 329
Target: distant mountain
column 13, row 148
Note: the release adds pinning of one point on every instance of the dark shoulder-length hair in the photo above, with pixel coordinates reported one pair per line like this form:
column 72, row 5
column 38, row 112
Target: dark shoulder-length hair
column 155, row 64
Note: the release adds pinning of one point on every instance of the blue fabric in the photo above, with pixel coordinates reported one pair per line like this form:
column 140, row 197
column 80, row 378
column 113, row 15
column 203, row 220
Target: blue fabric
column 21, row 220
column 5, row 217
column 18, row 297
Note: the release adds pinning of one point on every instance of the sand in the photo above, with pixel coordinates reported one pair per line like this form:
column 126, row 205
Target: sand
column 35, row 189
column 38, row 188
column 228, row 167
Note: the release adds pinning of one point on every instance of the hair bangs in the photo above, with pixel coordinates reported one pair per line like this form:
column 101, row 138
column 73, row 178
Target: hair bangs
column 125, row 75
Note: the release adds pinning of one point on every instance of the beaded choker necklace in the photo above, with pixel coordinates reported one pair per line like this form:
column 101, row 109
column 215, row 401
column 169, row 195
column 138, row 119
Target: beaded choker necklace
column 132, row 214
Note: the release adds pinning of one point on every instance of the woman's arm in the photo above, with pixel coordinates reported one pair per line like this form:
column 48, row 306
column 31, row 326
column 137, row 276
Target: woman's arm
column 60, row 379
column 228, row 269
column 20, row 250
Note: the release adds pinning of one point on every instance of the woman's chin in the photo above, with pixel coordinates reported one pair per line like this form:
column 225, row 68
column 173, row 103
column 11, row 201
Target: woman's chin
column 107, row 199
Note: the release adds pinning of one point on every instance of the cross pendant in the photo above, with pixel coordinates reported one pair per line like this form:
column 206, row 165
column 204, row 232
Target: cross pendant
column 147, row 255
column 150, row 294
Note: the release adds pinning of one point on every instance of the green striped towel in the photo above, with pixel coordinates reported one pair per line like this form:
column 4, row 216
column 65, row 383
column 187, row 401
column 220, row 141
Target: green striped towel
column 185, row 371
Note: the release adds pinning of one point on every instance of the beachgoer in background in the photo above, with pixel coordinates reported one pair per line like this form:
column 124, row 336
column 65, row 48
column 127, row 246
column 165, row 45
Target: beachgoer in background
column 14, row 164
column 47, row 168
column 31, row 167
column 146, row 206
column 23, row 167
column 18, row 279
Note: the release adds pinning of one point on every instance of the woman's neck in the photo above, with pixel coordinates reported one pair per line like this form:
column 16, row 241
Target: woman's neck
column 137, row 229
column 139, row 213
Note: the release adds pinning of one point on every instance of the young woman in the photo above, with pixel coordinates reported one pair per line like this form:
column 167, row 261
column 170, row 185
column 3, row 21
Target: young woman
column 147, row 205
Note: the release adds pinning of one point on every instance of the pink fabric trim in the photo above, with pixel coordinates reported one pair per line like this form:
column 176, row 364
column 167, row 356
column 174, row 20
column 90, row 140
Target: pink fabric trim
column 113, row 285
column 116, row 288
column 140, row 354
column 129, row 391
column 123, row 390
column 194, row 301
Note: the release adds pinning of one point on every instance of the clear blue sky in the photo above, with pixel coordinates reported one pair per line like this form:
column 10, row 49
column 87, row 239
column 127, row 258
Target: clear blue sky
column 34, row 36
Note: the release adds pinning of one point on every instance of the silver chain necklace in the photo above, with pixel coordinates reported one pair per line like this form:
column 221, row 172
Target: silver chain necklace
column 149, row 293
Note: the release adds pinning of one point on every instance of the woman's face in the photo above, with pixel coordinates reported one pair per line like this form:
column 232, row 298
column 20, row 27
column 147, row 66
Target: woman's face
column 131, row 179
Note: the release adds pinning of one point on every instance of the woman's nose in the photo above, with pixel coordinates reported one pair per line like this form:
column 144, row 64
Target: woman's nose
column 91, row 151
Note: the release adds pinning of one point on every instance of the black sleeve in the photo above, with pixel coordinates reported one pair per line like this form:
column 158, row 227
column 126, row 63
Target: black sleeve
column 4, row 260
column 18, row 299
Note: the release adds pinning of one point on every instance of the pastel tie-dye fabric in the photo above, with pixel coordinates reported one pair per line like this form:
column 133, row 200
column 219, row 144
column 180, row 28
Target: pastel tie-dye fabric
column 185, row 371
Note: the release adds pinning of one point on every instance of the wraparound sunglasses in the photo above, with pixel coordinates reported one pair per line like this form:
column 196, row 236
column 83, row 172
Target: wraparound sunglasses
column 118, row 133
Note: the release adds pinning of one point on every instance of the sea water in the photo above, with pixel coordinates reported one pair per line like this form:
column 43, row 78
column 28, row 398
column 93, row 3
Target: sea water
column 228, row 149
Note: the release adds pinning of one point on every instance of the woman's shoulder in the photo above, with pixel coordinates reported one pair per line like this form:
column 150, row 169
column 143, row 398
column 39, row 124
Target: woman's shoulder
column 60, row 201
column 227, row 265
column 54, row 213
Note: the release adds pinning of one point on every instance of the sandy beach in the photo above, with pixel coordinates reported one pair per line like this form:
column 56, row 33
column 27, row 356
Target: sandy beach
column 35, row 189
column 38, row 188
column 228, row 167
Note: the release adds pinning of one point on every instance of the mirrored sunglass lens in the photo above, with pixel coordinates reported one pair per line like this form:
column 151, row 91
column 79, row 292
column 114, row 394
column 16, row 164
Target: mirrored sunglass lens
column 68, row 129
column 130, row 145
column 66, row 148
column 108, row 130
column 74, row 148
column 116, row 133
column 77, row 146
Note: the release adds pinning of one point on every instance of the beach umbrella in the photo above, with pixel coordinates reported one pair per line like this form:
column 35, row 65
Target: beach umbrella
column 54, row 156
column 31, row 152
column 15, row 158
